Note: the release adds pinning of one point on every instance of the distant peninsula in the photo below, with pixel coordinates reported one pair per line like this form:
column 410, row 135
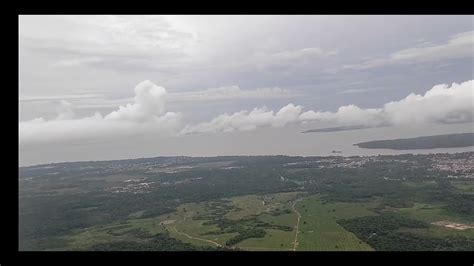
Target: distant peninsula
column 424, row 142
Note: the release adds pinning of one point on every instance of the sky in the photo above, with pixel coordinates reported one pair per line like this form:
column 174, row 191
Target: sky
column 114, row 87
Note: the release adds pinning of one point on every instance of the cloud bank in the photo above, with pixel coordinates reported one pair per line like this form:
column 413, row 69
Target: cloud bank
column 441, row 104
column 147, row 115
column 225, row 93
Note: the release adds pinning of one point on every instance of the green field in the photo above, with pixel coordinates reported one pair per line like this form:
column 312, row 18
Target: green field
column 275, row 240
column 318, row 227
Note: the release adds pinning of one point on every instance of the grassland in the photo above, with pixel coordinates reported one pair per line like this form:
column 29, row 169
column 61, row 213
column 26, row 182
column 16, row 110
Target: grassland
column 274, row 240
column 319, row 229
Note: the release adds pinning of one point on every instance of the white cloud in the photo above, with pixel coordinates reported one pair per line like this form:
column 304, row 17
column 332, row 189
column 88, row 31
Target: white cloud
column 458, row 46
column 145, row 115
column 93, row 128
column 441, row 104
column 348, row 115
column 245, row 120
column 149, row 103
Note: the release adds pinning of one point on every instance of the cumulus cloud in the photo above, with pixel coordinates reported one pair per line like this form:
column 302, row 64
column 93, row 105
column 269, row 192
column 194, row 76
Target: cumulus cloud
column 441, row 104
column 348, row 115
column 149, row 103
column 145, row 115
column 458, row 46
column 245, row 120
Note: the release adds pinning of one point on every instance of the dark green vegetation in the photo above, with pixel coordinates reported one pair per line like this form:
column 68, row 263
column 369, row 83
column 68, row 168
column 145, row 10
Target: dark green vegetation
column 383, row 233
column 250, row 233
column 159, row 242
column 425, row 142
column 250, row 203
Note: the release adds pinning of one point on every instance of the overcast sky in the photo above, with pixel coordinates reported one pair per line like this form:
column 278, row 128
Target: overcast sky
column 89, row 80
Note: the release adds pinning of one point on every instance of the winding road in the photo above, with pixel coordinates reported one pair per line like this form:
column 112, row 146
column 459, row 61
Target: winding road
column 195, row 238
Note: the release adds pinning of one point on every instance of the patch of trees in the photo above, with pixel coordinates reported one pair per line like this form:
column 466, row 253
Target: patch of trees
column 382, row 233
column 399, row 241
column 156, row 212
column 159, row 242
column 462, row 204
column 369, row 225
column 455, row 200
column 278, row 212
column 246, row 234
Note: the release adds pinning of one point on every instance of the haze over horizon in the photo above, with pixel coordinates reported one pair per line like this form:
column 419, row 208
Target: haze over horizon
column 109, row 87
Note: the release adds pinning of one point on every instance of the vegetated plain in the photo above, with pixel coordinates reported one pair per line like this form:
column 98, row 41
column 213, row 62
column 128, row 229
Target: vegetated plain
column 251, row 203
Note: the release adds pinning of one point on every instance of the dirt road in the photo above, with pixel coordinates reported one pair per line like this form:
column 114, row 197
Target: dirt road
column 295, row 243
